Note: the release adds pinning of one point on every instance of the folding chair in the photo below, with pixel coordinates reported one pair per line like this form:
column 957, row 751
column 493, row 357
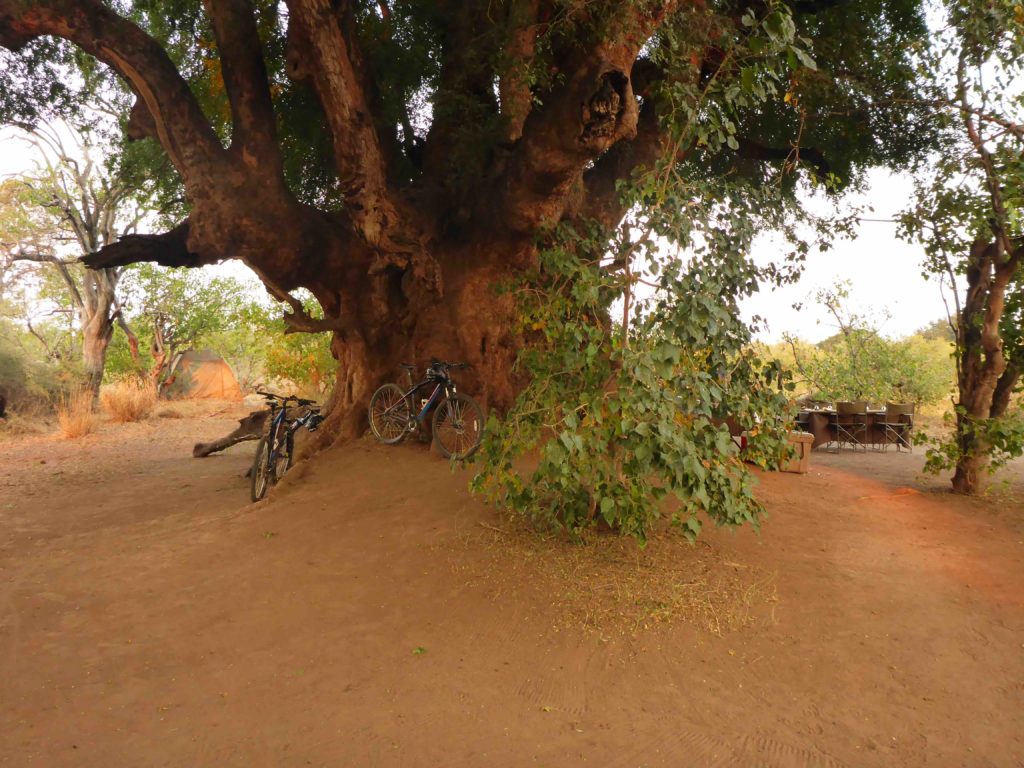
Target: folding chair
column 850, row 424
column 899, row 426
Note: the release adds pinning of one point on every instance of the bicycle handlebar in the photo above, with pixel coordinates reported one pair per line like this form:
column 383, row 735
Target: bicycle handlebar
column 434, row 362
column 283, row 399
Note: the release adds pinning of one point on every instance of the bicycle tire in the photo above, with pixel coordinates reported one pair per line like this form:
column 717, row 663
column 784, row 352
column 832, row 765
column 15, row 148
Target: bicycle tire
column 389, row 414
column 260, row 476
column 458, row 426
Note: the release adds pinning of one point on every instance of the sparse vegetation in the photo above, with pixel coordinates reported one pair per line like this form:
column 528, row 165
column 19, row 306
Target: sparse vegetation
column 75, row 414
column 128, row 400
column 860, row 363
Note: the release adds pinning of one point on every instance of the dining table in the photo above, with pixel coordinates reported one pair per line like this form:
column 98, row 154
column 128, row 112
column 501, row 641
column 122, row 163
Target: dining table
column 819, row 422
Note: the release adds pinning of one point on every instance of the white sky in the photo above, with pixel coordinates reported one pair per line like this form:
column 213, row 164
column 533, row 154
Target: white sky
column 884, row 273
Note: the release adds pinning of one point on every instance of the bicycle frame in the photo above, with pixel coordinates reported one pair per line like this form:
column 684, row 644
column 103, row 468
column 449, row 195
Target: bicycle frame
column 431, row 400
column 278, row 421
column 275, row 426
column 441, row 387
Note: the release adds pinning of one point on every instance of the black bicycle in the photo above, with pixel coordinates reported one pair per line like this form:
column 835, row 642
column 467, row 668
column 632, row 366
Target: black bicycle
column 275, row 452
column 458, row 424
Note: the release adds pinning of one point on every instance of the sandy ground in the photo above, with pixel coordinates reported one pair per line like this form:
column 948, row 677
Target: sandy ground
column 150, row 617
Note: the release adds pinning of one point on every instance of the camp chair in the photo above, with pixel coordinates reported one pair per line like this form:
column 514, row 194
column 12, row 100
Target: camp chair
column 899, row 426
column 850, row 424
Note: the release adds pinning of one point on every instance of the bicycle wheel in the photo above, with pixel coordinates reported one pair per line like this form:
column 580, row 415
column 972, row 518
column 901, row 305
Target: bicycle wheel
column 261, row 474
column 389, row 414
column 458, row 426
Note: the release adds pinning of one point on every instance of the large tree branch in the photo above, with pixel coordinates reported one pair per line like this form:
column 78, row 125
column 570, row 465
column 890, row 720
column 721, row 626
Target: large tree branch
column 600, row 183
column 251, row 427
column 592, row 108
column 169, row 249
column 753, row 150
column 332, row 63
column 62, row 270
column 254, row 133
column 464, row 102
column 177, row 118
column 513, row 83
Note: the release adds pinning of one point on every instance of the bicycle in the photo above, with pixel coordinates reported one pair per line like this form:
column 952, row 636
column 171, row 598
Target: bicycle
column 458, row 421
column 275, row 452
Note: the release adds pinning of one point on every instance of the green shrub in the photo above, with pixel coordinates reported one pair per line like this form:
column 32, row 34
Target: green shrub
column 619, row 420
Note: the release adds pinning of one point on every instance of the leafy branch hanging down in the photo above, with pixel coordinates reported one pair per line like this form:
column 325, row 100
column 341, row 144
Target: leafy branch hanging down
column 617, row 418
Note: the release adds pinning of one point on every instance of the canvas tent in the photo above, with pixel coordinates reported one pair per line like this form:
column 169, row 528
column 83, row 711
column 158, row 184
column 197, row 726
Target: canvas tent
column 200, row 375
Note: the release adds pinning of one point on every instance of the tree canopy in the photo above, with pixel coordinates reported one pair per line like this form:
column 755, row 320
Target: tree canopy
column 485, row 180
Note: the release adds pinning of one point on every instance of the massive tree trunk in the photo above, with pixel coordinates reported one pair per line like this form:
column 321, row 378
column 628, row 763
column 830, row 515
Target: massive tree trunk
column 397, row 320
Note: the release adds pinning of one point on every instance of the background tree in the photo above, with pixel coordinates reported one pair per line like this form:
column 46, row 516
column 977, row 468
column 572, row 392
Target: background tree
column 180, row 309
column 968, row 214
column 30, row 372
column 72, row 206
column 262, row 350
column 860, row 363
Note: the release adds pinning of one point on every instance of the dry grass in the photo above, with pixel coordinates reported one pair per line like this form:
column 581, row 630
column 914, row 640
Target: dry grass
column 75, row 415
column 128, row 400
column 611, row 585
column 17, row 425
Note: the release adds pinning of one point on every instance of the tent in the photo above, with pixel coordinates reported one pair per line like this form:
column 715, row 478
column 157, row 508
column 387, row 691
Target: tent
column 200, row 375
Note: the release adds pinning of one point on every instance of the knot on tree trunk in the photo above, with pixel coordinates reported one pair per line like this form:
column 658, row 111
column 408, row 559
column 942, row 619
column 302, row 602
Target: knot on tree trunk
column 405, row 283
column 601, row 115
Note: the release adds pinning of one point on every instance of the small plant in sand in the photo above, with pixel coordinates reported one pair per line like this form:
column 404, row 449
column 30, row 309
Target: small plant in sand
column 75, row 415
column 128, row 400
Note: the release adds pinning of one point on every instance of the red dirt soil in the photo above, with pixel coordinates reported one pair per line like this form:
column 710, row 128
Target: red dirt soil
column 150, row 617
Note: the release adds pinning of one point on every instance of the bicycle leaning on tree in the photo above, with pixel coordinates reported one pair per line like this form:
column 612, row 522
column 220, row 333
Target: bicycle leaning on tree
column 458, row 421
column 275, row 452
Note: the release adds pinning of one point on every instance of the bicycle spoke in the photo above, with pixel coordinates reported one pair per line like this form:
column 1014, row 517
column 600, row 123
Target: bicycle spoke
column 456, row 437
column 389, row 414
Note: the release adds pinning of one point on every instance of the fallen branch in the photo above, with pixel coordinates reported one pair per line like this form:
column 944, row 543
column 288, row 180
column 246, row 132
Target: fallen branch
column 249, row 428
